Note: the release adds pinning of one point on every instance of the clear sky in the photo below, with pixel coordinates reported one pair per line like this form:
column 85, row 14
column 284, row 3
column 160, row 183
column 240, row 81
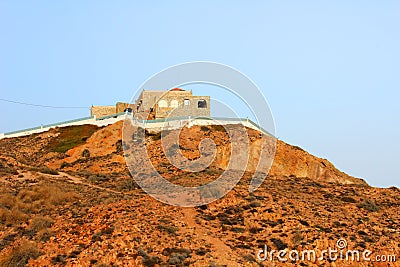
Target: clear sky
column 330, row 70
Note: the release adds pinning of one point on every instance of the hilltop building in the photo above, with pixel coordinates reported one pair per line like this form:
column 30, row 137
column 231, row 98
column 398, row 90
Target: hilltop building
column 176, row 102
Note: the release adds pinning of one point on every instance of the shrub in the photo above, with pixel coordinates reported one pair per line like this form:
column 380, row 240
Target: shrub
column 168, row 228
column 7, row 168
column 249, row 258
column 202, row 251
column 279, row 244
column 44, row 235
column 369, row 205
column 60, row 258
column 96, row 178
column 204, row 128
column 255, row 230
column 12, row 217
column 255, row 204
column 297, row 238
column 238, row 229
column 305, row 223
column 86, row 153
column 151, row 261
column 65, row 164
column 20, row 255
column 44, row 195
column 7, row 200
column 156, row 136
column 128, row 184
column 39, row 223
column 348, row 200
column 44, row 170
column 118, row 147
column 176, row 258
column 218, row 128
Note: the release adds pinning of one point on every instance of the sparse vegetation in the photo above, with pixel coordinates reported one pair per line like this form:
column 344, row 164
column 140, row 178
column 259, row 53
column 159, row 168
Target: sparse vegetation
column 20, row 255
column 297, row 238
column 7, row 168
column 70, row 137
column 349, row 200
column 170, row 229
column 127, row 184
column 44, row 235
column 204, row 128
column 39, row 223
column 85, row 209
column 65, row 164
column 44, row 170
column 369, row 205
column 86, row 153
column 12, row 217
column 279, row 244
column 17, row 209
column 218, row 128
column 238, row 229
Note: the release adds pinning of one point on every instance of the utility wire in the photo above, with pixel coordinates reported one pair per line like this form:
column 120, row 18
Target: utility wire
column 37, row 105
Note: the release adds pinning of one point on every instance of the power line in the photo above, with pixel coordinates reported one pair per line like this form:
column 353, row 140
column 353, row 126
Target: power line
column 37, row 105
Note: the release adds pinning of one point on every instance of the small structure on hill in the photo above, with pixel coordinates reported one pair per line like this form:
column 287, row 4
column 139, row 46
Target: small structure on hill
column 153, row 104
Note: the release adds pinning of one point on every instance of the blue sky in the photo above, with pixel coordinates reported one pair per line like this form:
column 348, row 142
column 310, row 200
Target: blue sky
column 329, row 70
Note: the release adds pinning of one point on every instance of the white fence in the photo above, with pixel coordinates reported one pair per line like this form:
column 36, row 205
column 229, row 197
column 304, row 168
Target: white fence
column 152, row 125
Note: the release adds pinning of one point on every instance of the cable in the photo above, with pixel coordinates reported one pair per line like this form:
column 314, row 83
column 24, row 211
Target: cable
column 37, row 105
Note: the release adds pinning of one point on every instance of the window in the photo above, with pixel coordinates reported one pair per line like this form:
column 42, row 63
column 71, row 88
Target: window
column 186, row 102
column 202, row 103
column 174, row 103
column 162, row 103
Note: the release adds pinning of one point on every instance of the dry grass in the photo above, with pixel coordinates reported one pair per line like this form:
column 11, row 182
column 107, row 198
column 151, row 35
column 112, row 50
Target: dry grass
column 44, row 235
column 15, row 210
column 19, row 255
column 45, row 195
column 39, row 223
column 12, row 217
column 45, row 170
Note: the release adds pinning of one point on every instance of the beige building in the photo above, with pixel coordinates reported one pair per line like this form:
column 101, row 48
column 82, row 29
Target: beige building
column 160, row 104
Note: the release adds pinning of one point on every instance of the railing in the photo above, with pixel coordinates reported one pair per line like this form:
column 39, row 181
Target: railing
column 241, row 120
column 48, row 125
column 110, row 116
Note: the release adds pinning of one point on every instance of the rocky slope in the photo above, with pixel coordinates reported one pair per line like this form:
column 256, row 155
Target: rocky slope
column 67, row 199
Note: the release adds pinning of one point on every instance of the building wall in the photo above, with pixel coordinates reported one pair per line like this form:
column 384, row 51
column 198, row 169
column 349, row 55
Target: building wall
column 147, row 100
column 120, row 107
column 100, row 111
column 184, row 110
column 162, row 104
column 164, row 107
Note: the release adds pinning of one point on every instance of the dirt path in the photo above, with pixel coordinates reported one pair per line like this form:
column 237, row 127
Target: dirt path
column 78, row 180
column 222, row 253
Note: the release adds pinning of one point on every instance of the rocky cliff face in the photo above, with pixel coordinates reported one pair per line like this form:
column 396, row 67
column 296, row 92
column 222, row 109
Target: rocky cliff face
column 293, row 161
column 103, row 149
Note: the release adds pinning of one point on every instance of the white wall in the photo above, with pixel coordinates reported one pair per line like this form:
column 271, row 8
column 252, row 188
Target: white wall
column 152, row 126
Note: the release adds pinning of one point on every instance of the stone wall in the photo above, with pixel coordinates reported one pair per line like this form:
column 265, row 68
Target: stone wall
column 100, row 111
column 147, row 100
column 120, row 107
column 188, row 108
column 160, row 104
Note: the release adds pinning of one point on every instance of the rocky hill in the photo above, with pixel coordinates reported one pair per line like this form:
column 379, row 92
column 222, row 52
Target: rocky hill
column 67, row 199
